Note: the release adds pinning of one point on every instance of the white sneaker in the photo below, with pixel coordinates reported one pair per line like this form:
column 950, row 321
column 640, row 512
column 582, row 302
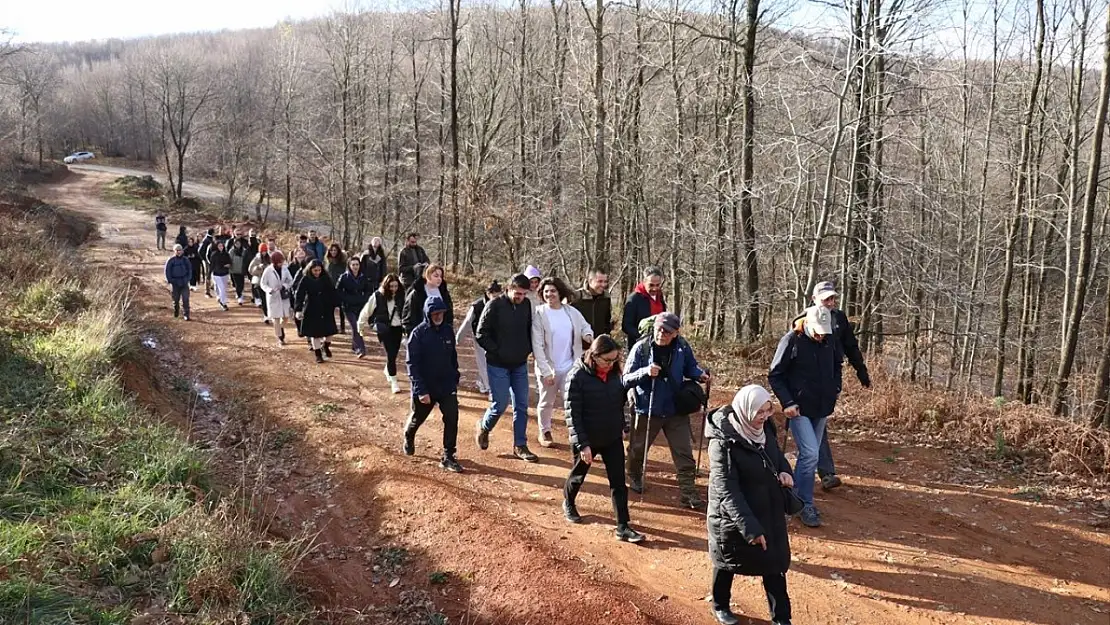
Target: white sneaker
column 393, row 386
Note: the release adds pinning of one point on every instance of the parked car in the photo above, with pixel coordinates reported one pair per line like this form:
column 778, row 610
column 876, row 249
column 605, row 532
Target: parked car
column 78, row 156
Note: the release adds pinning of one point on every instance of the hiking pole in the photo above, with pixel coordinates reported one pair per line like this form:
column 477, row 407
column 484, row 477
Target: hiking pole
column 647, row 440
column 701, row 431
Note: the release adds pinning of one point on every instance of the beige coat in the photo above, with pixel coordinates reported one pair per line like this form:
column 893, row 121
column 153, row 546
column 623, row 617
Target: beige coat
column 541, row 336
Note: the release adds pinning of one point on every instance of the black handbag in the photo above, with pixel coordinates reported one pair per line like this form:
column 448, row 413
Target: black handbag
column 793, row 504
column 689, row 398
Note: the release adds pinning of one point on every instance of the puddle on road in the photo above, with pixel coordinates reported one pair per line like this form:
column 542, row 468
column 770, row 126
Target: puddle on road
column 150, row 342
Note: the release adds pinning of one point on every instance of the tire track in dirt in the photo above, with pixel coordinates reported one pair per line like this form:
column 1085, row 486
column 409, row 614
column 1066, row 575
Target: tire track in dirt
column 904, row 543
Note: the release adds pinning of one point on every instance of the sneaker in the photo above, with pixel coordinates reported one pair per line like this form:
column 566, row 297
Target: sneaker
column 224, row 306
column 176, row 314
column 636, row 484
column 830, row 481
column 483, row 390
column 525, row 454
column 267, row 321
column 481, row 436
column 240, row 301
column 626, row 534
column 570, row 512
column 726, row 617
column 450, row 464
column 186, row 317
column 410, row 445
column 692, row 501
column 360, row 355
column 546, row 440
column 394, row 386
column 810, row 517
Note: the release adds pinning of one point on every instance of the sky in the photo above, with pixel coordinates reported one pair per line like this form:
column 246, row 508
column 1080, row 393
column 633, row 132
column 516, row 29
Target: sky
column 79, row 20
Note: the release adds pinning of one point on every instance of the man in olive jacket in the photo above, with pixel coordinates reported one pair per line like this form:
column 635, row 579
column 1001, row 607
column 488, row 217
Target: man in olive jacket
column 593, row 301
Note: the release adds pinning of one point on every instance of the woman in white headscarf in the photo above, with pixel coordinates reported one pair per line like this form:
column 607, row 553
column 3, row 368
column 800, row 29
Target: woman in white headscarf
column 747, row 503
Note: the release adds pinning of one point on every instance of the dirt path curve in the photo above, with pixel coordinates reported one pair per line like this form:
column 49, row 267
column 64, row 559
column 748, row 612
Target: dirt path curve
column 912, row 537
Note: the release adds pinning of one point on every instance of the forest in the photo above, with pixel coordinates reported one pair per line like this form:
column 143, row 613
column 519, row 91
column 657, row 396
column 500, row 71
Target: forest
column 944, row 163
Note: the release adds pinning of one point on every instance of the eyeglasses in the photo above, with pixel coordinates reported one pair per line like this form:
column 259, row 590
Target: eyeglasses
column 608, row 359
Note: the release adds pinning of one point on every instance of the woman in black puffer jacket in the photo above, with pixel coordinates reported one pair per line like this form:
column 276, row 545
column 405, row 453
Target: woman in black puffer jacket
column 315, row 301
column 595, row 401
column 747, row 505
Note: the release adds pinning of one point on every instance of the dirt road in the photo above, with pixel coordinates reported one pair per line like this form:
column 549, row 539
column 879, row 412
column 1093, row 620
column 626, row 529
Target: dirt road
column 913, row 537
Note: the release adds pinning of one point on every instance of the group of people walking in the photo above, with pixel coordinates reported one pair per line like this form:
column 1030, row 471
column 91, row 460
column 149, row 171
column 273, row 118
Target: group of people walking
column 576, row 363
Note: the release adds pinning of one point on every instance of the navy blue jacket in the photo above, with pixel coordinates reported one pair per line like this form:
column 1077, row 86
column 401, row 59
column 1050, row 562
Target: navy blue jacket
column 683, row 366
column 806, row 373
column 354, row 291
column 432, row 360
column 179, row 270
column 637, row 308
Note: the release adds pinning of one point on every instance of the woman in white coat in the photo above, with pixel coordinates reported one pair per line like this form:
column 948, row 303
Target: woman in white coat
column 559, row 333
column 277, row 284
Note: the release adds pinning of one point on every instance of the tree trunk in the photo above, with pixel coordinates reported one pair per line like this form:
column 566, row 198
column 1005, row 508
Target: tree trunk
column 1014, row 227
column 1082, row 277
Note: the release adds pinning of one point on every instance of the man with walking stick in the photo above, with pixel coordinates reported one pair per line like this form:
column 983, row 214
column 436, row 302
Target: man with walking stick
column 657, row 370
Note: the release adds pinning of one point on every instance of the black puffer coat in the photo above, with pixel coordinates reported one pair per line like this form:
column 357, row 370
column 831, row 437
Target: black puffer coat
column 745, row 500
column 595, row 409
column 413, row 313
column 317, row 299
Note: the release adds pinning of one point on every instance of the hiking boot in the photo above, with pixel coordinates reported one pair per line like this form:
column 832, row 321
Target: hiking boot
column 481, row 436
column 450, row 464
column 830, row 481
column 327, row 349
column 626, row 534
column 726, row 617
column 810, row 517
column 319, row 356
column 176, row 313
column 636, row 484
column 525, row 454
column 570, row 512
column 410, row 444
column 692, row 501
column 546, row 440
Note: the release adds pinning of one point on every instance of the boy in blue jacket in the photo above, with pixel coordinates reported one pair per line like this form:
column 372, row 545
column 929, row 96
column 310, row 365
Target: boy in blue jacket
column 179, row 271
column 433, row 365
column 657, row 367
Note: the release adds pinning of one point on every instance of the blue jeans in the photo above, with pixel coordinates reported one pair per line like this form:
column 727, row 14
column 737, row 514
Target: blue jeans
column 808, row 434
column 825, row 464
column 357, row 344
column 506, row 384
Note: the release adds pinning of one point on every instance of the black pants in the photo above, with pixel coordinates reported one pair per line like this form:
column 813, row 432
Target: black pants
column 207, row 278
column 195, row 279
column 391, row 341
column 449, row 408
column 613, row 456
column 342, row 319
column 239, row 282
column 773, row 585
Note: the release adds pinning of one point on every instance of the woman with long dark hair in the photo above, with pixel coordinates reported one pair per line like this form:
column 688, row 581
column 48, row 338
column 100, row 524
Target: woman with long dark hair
column 182, row 237
column 192, row 252
column 315, row 304
column 335, row 262
column 383, row 313
column 595, row 422
column 354, row 291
